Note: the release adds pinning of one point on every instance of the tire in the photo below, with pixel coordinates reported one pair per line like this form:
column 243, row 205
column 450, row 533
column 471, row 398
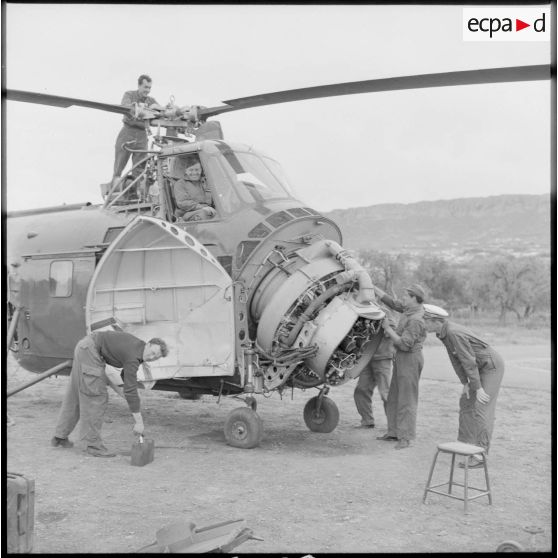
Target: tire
column 243, row 428
column 510, row 546
column 326, row 420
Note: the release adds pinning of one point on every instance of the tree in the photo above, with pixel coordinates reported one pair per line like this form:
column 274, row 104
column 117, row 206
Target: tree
column 444, row 282
column 513, row 284
column 388, row 271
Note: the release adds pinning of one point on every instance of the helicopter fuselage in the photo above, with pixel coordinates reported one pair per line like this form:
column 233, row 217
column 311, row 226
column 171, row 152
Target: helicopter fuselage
column 258, row 298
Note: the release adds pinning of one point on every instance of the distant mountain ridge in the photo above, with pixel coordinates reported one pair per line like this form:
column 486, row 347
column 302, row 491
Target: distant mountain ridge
column 511, row 223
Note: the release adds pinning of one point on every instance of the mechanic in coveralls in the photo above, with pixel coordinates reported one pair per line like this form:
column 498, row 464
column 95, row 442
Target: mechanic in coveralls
column 402, row 403
column 134, row 129
column 479, row 368
column 87, row 396
column 376, row 373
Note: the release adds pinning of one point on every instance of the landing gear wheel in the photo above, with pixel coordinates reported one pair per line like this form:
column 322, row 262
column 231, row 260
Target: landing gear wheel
column 323, row 421
column 510, row 546
column 251, row 402
column 243, row 428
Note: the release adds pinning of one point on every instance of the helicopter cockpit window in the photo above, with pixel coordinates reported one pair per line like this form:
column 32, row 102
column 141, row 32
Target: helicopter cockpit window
column 257, row 178
column 191, row 194
column 60, row 278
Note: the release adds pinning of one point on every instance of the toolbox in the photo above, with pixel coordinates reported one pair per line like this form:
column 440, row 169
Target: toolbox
column 20, row 512
column 143, row 451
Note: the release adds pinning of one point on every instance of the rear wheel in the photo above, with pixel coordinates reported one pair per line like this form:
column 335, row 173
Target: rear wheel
column 243, row 428
column 323, row 420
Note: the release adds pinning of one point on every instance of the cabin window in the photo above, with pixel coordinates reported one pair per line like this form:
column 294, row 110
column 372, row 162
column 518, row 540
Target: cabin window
column 111, row 234
column 60, row 279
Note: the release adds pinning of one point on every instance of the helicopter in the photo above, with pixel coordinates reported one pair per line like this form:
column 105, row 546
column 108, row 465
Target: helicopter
column 260, row 298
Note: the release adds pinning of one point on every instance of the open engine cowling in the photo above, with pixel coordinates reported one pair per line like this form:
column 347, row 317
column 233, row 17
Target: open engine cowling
column 317, row 318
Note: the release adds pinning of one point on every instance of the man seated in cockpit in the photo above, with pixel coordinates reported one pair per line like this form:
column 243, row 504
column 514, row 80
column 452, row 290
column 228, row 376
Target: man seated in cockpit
column 193, row 200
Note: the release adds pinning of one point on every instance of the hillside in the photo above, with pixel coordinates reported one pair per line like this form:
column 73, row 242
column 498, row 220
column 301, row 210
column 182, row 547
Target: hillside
column 463, row 227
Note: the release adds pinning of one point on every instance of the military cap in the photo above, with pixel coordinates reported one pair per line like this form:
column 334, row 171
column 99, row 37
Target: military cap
column 432, row 311
column 416, row 290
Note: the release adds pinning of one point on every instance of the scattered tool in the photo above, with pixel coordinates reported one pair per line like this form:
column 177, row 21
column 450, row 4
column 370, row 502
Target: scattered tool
column 143, row 451
column 184, row 536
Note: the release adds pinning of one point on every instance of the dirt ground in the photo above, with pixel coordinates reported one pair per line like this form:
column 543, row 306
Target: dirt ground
column 300, row 491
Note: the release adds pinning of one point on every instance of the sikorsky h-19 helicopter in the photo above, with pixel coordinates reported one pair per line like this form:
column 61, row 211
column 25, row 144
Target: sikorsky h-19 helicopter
column 262, row 297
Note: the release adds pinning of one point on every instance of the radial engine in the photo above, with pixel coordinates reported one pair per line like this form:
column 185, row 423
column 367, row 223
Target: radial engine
column 317, row 320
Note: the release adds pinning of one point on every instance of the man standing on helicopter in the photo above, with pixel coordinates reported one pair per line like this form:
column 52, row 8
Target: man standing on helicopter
column 87, row 396
column 135, row 128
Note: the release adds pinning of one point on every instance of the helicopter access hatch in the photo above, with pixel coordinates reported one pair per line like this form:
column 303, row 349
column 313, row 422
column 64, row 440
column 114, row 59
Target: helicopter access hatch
column 156, row 280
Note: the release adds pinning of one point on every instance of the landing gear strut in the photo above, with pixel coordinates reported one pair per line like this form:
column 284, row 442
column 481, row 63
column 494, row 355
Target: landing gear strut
column 321, row 413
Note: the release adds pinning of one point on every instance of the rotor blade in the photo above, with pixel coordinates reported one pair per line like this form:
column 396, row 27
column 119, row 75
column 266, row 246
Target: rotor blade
column 467, row 77
column 64, row 102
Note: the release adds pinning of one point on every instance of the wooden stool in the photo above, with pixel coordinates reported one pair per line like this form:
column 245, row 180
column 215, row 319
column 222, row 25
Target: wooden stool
column 467, row 450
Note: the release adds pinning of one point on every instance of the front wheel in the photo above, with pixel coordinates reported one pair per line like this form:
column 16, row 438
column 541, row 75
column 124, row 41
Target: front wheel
column 243, row 428
column 326, row 419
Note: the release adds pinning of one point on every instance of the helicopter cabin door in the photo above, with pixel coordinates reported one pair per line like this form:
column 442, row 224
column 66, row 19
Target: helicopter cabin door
column 53, row 291
column 155, row 280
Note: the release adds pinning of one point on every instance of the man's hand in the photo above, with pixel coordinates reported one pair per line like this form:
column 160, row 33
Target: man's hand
column 138, row 426
column 386, row 327
column 378, row 291
column 482, row 396
column 466, row 390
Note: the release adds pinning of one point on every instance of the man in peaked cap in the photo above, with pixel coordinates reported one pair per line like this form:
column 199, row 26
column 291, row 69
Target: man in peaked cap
column 479, row 368
column 377, row 373
column 408, row 337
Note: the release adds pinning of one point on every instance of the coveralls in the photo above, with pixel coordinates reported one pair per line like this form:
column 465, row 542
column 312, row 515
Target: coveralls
column 376, row 373
column 87, row 395
column 477, row 363
column 402, row 403
column 134, row 129
column 191, row 199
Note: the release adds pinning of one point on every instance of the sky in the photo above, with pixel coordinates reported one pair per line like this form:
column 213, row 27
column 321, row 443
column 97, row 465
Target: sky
column 339, row 152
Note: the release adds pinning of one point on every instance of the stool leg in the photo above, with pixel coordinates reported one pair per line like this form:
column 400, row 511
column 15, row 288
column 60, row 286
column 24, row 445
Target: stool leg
column 485, row 465
column 451, row 472
column 466, row 483
column 430, row 476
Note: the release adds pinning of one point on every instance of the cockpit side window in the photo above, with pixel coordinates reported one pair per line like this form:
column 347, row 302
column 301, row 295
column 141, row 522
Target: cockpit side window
column 226, row 196
column 256, row 178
